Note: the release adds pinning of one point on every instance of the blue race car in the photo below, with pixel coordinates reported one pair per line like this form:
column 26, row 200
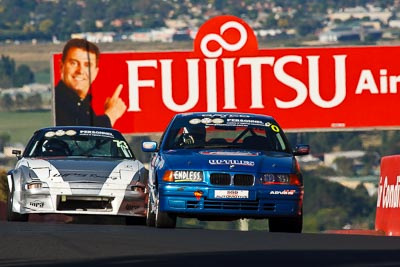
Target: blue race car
column 225, row 166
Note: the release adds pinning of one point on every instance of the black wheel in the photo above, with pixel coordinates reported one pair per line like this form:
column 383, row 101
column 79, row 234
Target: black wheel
column 150, row 216
column 14, row 216
column 163, row 219
column 288, row 225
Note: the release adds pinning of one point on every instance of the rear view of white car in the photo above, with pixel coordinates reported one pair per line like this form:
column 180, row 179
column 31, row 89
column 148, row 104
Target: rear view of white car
column 77, row 171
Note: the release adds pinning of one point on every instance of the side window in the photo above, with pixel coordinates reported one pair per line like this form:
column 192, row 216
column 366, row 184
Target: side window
column 178, row 135
column 172, row 139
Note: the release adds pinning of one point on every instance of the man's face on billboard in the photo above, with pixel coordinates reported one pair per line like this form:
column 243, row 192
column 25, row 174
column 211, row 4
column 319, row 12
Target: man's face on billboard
column 78, row 70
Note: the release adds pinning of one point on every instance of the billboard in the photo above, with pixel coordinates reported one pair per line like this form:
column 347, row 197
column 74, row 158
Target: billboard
column 388, row 200
column 308, row 88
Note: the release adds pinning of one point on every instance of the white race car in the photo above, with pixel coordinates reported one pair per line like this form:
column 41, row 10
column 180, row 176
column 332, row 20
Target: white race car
column 77, row 170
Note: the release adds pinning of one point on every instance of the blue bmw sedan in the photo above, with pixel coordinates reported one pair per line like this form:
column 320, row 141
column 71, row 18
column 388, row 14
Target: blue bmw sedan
column 225, row 166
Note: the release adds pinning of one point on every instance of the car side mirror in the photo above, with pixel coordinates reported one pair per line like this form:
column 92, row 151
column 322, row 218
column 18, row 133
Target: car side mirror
column 17, row 153
column 301, row 150
column 149, row 146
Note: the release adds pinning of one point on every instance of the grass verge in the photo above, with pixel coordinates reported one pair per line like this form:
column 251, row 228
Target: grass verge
column 20, row 125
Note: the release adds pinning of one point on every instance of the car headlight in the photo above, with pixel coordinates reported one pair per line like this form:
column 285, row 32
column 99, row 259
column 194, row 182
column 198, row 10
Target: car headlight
column 280, row 178
column 183, row 176
column 36, row 185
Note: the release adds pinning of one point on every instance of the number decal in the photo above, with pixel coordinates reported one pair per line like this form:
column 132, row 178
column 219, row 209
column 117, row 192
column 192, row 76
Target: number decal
column 121, row 144
column 275, row 128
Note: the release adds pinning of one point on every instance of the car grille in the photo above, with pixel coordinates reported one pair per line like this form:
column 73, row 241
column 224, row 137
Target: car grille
column 231, row 205
column 220, row 179
column 243, row 179
column 84, row 203
column 226, row 179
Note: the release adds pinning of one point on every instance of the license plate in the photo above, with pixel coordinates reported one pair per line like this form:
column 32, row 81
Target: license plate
column 236, row 194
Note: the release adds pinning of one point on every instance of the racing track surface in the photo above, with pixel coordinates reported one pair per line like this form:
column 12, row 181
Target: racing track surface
column 72, row 244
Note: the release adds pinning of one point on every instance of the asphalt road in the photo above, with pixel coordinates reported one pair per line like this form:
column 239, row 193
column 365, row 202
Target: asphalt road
column 62, row 244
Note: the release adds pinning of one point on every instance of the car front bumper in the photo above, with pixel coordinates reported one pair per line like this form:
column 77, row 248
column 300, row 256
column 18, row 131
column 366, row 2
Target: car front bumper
column 243, row 202
column 62, row 201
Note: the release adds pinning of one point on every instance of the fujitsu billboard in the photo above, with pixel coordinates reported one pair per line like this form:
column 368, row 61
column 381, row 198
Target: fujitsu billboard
column 308, row 89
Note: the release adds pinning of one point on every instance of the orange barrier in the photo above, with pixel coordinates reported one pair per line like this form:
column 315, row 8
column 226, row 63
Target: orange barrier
column 387, row 218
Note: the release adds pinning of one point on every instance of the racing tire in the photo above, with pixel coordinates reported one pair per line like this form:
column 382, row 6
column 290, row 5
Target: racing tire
column 164, row 219
column 286, row 225
column 150, row 216
column 14, row 216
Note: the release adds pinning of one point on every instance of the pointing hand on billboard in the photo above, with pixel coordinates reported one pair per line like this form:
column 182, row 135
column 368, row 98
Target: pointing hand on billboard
column 114, row 106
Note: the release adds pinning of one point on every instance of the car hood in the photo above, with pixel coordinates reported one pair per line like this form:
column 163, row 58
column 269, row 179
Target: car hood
column 229, row 160
column 84, row 170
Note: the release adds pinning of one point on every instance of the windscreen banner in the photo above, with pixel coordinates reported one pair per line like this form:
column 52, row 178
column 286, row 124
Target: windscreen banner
column 306, row 88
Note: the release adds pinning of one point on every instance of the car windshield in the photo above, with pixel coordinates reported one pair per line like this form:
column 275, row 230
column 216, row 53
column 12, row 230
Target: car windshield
column 227, row 132
column 73, row 143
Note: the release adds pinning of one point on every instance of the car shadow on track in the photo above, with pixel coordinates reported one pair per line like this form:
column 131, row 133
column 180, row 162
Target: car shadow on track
column 238, row 258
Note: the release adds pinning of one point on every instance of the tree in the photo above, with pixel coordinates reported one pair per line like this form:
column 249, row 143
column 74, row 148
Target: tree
column 7, row 102
column 23, row 76
column 19, row 100
column 12, row 77
column 4, row 139
column 330, row 205
column 270, row 21
column 34, row 101
column 306, row 28
column 283, row 22
column 330, row 218
column 46, row 26
column 345, row 166
column 7, row 69
column 5, row 81
column 219, row 4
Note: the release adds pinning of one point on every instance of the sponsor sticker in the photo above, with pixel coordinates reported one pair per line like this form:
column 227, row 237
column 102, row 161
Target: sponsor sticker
column 50, row 134
column 283, row 192
column 195, row 121
column 388, row 193
column 236, row 194
column 231, row 162
column 96, row 133
column 218, row 121
column 243, row 122
column 70, row 132
column 37, row 204
column 229, row 153
column 121, row 144
column 60, row 133
column 188, row 176
column 208, row 121
column 272, row 126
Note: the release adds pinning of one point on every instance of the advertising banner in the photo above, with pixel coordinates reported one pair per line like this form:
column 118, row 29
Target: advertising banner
column 388, row 201
column 308, row 89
